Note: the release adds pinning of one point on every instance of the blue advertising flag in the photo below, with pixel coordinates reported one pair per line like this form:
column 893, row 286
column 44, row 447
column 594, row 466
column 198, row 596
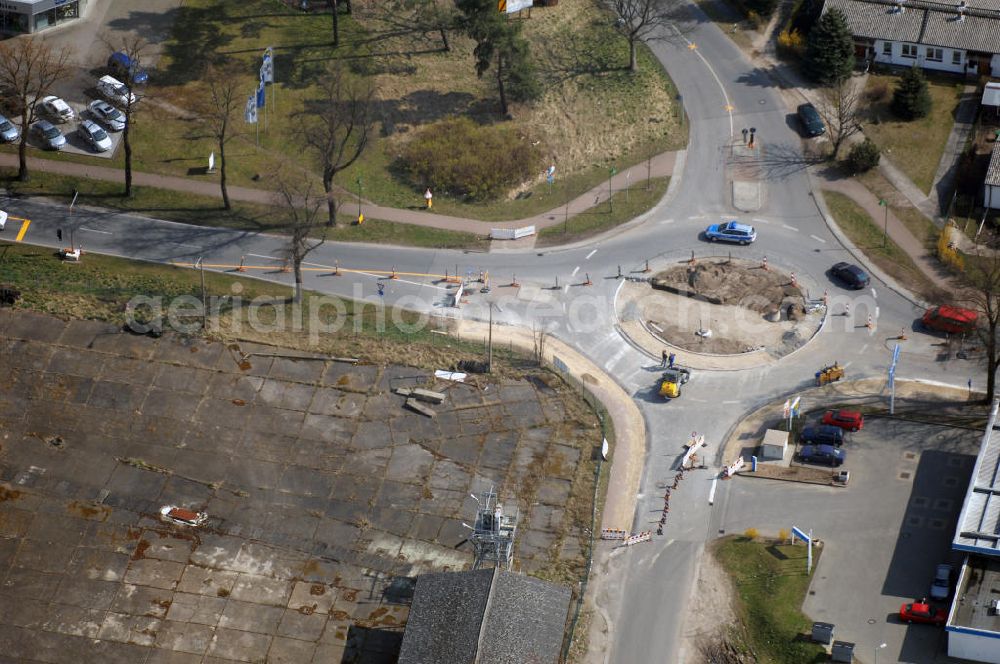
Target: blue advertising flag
column 260, row 95
column 267, row 69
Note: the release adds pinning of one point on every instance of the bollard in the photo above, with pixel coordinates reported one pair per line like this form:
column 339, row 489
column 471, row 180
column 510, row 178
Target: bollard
column 826, row 298
column 557, row 283
column 619, row 271
column 692, row 257
column 847, row 308
column 588, row 282
column 513, row 281
column 763, row 265
column 284, row 266
column 242, row 267
column 336, row 268
column 902, row 334
column 647, row 266
column 794, row 283
column 870, row 324
column 393, row 275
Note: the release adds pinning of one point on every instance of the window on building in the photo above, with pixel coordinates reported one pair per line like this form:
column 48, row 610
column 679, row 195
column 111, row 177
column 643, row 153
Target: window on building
column 886, row 48
column 935, row 54
column 909, row 51
column 956, row 57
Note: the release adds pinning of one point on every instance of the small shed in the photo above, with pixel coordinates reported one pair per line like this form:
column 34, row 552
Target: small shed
column 774, row 445
column 991, row 185
column 991, row 97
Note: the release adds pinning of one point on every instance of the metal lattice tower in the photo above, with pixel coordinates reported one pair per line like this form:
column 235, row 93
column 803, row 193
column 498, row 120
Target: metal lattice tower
column 493, row 536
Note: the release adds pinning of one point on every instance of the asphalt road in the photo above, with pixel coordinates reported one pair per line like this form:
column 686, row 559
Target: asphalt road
column 722, row 93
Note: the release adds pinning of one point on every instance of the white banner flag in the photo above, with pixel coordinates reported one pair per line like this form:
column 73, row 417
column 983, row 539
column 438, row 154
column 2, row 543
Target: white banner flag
column 250, row 112
column 267, row 69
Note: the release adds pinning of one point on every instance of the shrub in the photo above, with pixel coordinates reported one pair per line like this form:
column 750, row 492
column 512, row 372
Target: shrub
column 911, row 99
column 946, row 249
column 476, row 162
column 878, row 92
column 791, row 42
column 864, row 156
column 751, row 534
column 783, row 535
column 761, row 7
column 754, row 19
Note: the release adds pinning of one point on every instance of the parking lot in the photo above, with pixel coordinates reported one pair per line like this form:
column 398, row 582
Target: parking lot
column 325, row 497
column 882, row 535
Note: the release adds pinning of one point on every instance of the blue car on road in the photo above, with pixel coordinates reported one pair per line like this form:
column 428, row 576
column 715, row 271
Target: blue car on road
column 732, row 231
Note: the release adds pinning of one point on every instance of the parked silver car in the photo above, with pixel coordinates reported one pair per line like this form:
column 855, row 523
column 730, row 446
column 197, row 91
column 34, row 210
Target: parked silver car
column 51, row 137
column 94, row 136
column 8, row 132
column 57, row 109
column 109, row 116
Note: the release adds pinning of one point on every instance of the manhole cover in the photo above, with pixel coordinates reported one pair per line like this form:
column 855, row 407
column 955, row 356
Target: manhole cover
column 871, row 621
column 904, row 475
column 910, row 456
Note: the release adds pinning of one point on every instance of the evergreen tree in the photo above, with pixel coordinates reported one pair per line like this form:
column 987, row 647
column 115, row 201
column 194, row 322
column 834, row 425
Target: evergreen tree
column 830, row 50
column 911, row 99
column 864, row 156
column 499, row 44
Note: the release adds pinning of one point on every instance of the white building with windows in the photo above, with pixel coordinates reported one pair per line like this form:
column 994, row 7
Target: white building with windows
column 961, row 37
column 20, row 16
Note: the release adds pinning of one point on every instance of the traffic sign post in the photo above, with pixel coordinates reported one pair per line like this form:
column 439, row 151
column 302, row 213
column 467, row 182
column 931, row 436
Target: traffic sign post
column 808, row 539
column 892, row 380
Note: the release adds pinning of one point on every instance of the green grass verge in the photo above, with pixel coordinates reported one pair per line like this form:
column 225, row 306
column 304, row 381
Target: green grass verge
column 771, row 584
column 207, row 211
column 99, row 287
column 914, row 147
column 868, row 237
column 627, row 205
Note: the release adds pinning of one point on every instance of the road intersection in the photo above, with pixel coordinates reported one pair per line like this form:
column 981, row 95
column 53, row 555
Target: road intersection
column 647, row 587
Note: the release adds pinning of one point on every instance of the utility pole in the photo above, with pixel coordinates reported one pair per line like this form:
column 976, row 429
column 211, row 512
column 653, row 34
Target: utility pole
column 885, row 223
column 204, row 299
column 489, row 346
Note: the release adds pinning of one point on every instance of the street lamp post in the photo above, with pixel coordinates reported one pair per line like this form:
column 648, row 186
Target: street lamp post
column 611, row 193
column 361, row 217
column 885, row 222
column 877, row 648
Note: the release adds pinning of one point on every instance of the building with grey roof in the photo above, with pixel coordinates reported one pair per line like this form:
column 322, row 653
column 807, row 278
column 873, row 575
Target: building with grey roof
column 485, row 616
column 20, row 16
column 974, row 618
column 959, row 36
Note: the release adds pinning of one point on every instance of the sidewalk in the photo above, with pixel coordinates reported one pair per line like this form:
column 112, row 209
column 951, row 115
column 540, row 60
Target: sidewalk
column 661, row 165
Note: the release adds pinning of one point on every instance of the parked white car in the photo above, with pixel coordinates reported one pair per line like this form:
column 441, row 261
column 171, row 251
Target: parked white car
column 3, row 220
column 115, row 91
column 112, row 118
column 94, row 136
column 57, row 109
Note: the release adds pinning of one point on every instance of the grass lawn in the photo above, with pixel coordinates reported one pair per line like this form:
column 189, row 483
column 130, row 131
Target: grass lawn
column 922, row 228
column 915, row 147
column 868, row 236
column 626, row 206
column 99, row 287
column 208, row 211
column 594, row 112
column 771, row 584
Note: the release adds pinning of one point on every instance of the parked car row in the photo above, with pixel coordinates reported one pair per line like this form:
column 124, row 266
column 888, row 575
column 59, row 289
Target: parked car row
column 821, row 443
column 103, row 118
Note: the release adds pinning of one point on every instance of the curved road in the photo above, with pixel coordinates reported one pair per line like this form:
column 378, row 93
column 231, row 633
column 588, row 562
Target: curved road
column 722, row 93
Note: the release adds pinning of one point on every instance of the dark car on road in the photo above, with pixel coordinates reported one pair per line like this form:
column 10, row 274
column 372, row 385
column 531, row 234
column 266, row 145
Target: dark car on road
column 851, row 275
column 121, row 65
column 812, row 123
column 828, row 455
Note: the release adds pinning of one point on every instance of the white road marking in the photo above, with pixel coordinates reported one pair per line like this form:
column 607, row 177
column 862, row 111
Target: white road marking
column 711, row 492
column 94, row 230
column 760, row 221
column 271, row 258
column 575, row 270
column 724, row 216
column 666, row 221
column 730, row 402
column 729, row 105
column 864, row 348
column 848, row 364
column 818, row 239
column 697, row 216
column 566, row 288
column 874, row 294
column 698, row 400
column 181, row 244
column 791, row 228
column 592, row 252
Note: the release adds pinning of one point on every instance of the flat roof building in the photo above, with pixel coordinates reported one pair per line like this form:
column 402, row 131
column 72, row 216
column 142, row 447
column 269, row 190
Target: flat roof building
column 974, row 619
column 27, row 16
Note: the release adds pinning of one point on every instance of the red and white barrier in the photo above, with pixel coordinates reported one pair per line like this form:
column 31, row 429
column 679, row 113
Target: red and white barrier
column 733, row 468
column 644, row 536
column 613, row 534
column 692, row 446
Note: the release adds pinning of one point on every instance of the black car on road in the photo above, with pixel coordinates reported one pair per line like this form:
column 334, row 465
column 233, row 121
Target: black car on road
column 811, row 121
column 852, row 275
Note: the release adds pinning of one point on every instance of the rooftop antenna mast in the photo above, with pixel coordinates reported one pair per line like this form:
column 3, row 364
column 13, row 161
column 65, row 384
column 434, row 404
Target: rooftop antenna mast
column 493, row 535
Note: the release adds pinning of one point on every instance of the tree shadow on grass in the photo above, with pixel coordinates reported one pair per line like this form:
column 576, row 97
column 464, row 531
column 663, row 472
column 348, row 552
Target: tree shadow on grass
column 197, row 41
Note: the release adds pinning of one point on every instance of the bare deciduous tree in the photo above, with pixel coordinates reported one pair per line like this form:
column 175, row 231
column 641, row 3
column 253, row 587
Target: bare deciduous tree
column 220, row 112
column 983, row 275
column 134, row 48
column 300, row 207
column 335, row 127
column 412, row 17
column 643, row 21
column 842, row 111
column 28, row 70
